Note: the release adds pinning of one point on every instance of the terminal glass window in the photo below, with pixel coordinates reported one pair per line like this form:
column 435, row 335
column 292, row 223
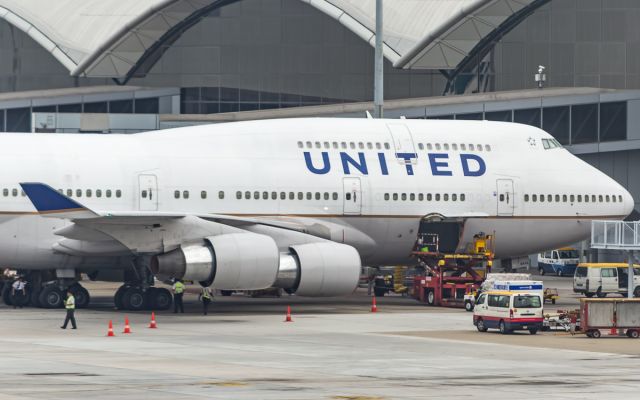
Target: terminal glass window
column 555, row 120
column 18, row 120
column 503, row 116
column 584, row 123
column 613, row 121
column 530, row 116
column 2, row 121
column 147, row 106
column 98, row 107
column 70, row 108
column 121, row 107
column 470, row 116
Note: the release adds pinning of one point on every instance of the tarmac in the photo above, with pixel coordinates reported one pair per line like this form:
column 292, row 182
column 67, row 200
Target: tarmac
column 333, row 349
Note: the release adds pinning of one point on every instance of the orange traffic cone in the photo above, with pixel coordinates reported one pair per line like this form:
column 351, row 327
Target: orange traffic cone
column 127, row 328
column 153, row 324
column 374, row 307
column 288, row 319
column 110, row 332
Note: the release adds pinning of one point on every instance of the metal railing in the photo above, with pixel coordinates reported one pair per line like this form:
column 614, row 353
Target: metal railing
column 618, row 235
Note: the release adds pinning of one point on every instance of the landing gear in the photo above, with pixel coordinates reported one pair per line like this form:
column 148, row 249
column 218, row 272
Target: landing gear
column 135, row 298
column 51, row 297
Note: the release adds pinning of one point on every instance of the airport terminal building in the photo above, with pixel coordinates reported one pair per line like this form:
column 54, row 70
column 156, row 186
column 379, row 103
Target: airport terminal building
column 113, row 66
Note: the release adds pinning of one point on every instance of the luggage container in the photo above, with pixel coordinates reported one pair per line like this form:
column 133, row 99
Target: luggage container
column 613, row 314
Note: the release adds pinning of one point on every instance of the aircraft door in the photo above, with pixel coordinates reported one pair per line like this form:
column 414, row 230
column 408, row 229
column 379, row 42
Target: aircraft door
column 402, row 141
column 352, row 196
column 505, row 197
column 148, row 192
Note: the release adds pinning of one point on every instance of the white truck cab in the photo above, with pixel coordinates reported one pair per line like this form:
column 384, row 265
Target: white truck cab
column 600, row 279
column 561, row 262
column 508, row 311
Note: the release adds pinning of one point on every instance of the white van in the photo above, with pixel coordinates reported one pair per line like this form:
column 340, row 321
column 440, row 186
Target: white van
column 561, row 262
column 508, row 311
column 600, row 279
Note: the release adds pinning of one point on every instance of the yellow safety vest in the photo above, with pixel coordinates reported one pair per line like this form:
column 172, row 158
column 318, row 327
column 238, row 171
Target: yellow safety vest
column 70, row 304
column 179, row 287
column 206, row 294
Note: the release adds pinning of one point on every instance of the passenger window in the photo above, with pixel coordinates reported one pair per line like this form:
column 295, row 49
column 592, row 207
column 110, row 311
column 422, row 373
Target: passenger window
column 203, row 194
column 564, row 198
column 462, row 197
column 309, row 145
column 360, row 145
column 78, row 192
column 487, row 147
column 239, row 195
column 369, row 146
column 463, row 147
column 326, row 195
column 608, row 199
column 454, row 146
column 557, row 198
column 454, row 197
column 549, row 198
column 318, row 145
column 479, row 147
column 403, row 196
column 220, row 195
column 386, row 146
column 292, row 196
column 300, row 196
column 429, row 197
column 437, row 146
column 593, row 198
column 471, row 148
column 613, row 198
column 579, row 198
column 420, row 146
column 265, row 195
column 541, row 198
column 327, row 145
column 119, row 194
column 420, row 197
column 300, row 145
column 256, row 195
column 600, row 198
column 586, row 198
column 526, row 197
column 108, row 192
column 446, row 146
column 429, row 146
column 283, row 195
column 352, row 145
column 144, row 194
column 247, row 195
column 335, row 195
column 412, row 196
column 446, row 197
column 88, row 193
column 98, row 193
column 274, row 195
column 335, row 145
column 620, row 198
column 437, row 196
column 5, row 192
column 317, row 195
column 395, row 196
column 22, row 193
column 176, row 194
column 309, row 196
column 572, row 198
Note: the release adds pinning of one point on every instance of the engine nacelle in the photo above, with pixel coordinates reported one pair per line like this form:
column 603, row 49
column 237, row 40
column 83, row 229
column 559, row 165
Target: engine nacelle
column 319, row 269
column 244, row 261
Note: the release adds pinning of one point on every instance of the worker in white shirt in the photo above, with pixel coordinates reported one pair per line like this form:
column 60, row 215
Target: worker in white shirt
column 18, row 292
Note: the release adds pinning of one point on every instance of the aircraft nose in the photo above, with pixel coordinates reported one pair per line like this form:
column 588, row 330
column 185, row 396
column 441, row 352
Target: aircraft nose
column 628, row 202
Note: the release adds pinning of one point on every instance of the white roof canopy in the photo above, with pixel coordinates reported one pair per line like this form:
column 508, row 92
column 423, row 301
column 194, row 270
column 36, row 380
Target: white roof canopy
column 118, row 39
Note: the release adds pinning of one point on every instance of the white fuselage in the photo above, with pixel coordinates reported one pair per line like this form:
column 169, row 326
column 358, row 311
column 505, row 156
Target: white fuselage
column 351, row 180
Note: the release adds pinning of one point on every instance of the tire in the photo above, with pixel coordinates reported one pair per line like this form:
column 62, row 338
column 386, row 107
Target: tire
column 379, row 292
column 230, row 292
column 632, row 333
column 6, row 295
column 51, row 297
column 589, row 295
column 533, row 331
column 133, row 299
column 117, row 297
column 600, row 294
column 431, row 297
column 503, row 328
column 162, row 299
column 82, row 296
column 468, row 306
column 541, row 270
column 480, row 325
column 553, row 301
column 35, row 298
column 596, row 334
column 636, row 292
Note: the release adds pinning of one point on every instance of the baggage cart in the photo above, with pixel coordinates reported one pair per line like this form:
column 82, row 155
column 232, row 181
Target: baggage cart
column 616, row 314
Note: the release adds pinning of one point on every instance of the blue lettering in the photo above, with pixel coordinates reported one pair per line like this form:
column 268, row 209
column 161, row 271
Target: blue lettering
column 407, row 161
column 360, row 166
column 326, row 166
column 383, row 164
column 436, row 165
column 481, row 166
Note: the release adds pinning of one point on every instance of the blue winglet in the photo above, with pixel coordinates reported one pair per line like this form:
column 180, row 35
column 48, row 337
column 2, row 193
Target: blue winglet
column 48, row 200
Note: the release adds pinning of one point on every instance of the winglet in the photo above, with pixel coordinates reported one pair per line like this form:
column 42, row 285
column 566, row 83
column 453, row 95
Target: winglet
column 50, row 203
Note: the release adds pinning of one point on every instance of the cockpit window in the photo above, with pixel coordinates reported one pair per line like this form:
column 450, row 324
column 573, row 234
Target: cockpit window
column 551, row 144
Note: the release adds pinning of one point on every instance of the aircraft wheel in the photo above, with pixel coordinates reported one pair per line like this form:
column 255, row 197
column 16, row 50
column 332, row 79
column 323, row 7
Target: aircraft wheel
column 81, row 295
column 51, row 297
column 162, row 299
column 133, row 299
column 35, row 298
column 117, row 297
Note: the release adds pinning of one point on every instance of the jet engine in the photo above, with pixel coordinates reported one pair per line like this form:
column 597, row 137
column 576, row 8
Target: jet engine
column 244, row 261
column 319, row 269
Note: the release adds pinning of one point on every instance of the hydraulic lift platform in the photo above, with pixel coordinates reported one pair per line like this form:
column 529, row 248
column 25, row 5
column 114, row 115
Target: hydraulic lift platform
column 449, row 277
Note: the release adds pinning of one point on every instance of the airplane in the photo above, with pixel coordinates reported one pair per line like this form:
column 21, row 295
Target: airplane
column 299, row 204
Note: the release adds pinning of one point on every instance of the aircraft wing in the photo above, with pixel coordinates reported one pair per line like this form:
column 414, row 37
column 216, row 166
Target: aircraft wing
column 109, row 233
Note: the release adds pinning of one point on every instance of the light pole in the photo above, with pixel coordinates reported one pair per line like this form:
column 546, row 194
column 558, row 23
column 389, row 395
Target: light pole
column 378, row 78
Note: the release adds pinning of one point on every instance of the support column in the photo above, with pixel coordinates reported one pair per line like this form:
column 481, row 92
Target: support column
column 378, row 84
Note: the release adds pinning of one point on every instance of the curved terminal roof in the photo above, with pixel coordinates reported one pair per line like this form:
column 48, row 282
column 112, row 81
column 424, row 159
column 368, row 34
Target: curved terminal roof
column 121, row 39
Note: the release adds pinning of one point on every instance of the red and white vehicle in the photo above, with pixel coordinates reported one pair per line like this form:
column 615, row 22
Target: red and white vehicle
column 508, row 311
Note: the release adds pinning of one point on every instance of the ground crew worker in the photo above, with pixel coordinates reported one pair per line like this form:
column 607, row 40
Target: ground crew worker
column 70, row 306
column 205, row 296
column 18, row 292
column 178, row 291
